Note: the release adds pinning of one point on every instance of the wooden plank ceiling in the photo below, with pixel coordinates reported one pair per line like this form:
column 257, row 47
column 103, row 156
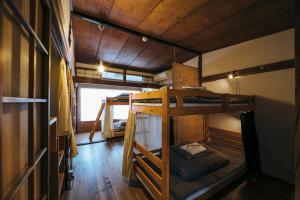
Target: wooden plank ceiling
column 201, row 25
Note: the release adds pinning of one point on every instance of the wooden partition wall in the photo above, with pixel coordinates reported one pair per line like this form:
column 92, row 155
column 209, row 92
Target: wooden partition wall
column 24, row 109
column 187, row 128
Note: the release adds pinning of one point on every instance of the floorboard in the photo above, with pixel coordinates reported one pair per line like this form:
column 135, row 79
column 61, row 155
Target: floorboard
column 83, row 138
column 97, row 171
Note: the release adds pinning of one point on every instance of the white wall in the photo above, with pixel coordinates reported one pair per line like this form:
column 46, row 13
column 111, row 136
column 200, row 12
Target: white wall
column 193, row 62
column 268, row 49
column 275, row 100
column 66, row 9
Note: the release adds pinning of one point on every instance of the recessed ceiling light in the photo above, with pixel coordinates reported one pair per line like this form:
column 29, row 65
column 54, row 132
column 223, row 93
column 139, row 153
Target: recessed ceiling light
column 101, row 27
column 144, row 39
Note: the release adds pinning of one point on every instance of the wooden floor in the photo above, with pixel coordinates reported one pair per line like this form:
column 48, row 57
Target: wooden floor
column 97, row 171
column 83, row 138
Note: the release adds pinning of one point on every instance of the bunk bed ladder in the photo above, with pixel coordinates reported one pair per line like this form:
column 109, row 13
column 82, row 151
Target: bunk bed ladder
column 95, row 126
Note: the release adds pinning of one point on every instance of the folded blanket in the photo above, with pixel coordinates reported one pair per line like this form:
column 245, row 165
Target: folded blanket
column 193, row 148
column 188, row 156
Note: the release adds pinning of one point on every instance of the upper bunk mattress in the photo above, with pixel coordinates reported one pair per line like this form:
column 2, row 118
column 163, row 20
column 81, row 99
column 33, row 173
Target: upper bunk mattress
column 183, row 189
column 193, row 101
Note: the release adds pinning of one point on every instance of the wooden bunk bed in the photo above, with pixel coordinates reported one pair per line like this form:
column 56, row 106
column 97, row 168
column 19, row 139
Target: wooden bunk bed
column 110, row 101
column 153, row 171
column 118, row 100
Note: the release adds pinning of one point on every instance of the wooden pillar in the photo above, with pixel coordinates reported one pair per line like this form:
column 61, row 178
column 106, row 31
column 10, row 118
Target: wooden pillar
column 200, row 69
column 165, row 143
column 204, row 118
column 77, row 107
column 45, row 107
column 1, row 104
column 32, row 94
column 124, row 75
column 297, row 100
column 1, row 136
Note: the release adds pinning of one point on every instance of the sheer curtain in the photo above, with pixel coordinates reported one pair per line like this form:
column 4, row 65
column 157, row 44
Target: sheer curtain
column 145, row 130
column 148, row 131
column 107, row 121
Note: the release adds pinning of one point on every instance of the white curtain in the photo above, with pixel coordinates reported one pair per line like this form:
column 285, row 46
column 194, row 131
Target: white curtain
column 148, row 132
column 107, row 122
column 145, row 130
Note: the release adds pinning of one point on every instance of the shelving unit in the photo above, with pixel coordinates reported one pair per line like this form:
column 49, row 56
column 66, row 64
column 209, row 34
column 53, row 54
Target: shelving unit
column 27, row 103
column 60, row 148
column 60, row 156
column 22, row 100
column 58, row 160
column 60, row 181
column 33, row 181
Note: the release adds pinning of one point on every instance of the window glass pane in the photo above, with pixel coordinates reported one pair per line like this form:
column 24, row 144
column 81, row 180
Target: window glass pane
column 112, row 75
column 91, row 99
column 134, row 78
column 120, row 111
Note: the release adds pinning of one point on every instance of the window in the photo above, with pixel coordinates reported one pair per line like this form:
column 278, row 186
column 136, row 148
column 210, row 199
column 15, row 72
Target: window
column 134, row 78
column 91, row 99
column 120, row 111
column 148, row 79
column 112, row 75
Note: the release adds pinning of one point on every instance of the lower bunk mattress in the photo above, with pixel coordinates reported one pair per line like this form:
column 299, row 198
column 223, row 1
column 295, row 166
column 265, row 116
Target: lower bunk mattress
column 209, row 184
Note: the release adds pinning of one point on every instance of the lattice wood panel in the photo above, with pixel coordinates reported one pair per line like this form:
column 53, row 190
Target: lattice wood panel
column 187, row 128
column 184, row 75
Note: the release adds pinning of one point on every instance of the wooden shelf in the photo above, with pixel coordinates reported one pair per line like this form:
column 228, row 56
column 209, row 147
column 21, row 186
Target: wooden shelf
column 22, row 179
column 22, row 21
column 61, row 181
column 52, row 120
column 60, row 157
column 22, row 100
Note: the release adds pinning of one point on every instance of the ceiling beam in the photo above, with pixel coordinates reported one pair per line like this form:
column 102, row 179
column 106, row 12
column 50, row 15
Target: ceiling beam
column 287, row 64
column 107, row 24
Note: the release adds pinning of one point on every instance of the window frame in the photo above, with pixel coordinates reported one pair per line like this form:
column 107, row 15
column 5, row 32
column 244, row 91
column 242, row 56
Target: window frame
column 111, row 79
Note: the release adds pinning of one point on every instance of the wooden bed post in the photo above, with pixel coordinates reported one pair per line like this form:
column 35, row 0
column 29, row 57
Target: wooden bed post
column 200, row 69
column 200, row 79
column 165, row 143
column 130, row 96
